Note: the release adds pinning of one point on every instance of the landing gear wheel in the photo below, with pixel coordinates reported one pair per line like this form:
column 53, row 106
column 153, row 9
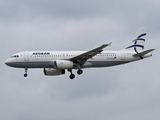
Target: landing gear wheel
column 72, row 76
column 26, row 70
column 79, row 72
column 25, row 75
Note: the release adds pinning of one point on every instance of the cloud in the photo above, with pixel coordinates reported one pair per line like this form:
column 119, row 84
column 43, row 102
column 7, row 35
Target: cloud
column 125, row 92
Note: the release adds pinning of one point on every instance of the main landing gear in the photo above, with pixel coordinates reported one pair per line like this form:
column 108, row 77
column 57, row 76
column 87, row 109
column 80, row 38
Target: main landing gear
column 79, row 72
column 72, row 76
column 25, row 74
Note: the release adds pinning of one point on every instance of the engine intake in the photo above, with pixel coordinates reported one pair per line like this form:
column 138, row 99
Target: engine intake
column 53, row 72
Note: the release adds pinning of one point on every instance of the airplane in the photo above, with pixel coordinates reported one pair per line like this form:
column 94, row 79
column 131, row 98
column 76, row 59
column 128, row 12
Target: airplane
column 57, row 62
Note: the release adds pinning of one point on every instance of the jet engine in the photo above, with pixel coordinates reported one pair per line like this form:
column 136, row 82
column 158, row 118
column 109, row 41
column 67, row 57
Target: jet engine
column 53, row 72
column 63, row 64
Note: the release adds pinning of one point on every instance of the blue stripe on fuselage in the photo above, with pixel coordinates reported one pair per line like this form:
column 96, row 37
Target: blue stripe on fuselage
column 31, row 64
column 47, row 64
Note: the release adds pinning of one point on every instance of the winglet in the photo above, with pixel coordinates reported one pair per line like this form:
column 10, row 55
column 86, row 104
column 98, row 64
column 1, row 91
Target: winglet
column 110, row 44
column 105, row 45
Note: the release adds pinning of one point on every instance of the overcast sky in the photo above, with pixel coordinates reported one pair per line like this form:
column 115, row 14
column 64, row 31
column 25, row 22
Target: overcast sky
column 125, row 92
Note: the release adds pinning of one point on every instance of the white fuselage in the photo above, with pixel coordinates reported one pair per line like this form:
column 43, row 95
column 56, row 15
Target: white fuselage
column 46, row 59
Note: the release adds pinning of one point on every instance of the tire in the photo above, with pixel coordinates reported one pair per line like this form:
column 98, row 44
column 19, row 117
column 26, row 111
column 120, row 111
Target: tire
column 72, row 76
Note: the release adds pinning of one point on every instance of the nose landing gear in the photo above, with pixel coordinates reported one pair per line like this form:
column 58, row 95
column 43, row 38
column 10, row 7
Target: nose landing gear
column 25, row 74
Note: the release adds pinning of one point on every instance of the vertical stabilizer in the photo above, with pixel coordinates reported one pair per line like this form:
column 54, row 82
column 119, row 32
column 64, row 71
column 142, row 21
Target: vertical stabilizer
column 138, row 40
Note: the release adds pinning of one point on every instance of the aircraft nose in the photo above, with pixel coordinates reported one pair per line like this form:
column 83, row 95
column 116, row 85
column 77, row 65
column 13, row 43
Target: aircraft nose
column 7, row 62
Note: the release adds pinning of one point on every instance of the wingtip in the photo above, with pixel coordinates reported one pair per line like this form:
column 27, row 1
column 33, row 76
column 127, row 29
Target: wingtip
column 110, row 43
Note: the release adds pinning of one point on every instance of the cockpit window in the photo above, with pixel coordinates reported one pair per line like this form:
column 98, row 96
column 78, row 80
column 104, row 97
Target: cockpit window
column 15, row 56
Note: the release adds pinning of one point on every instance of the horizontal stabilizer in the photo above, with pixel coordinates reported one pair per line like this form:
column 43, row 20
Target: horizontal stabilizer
column 143, row 53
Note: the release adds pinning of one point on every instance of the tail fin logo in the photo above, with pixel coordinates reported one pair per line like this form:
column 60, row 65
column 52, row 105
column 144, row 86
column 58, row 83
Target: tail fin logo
column 136, row 44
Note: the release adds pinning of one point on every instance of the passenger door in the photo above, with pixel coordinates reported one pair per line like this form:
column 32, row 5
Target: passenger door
column 122, row 55
column 26, row 56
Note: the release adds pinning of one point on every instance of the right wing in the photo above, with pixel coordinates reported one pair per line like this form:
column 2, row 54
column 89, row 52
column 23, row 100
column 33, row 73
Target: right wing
column 82, row 58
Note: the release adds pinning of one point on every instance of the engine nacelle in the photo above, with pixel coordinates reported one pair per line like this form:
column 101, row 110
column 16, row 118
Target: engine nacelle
column 63, row 64
column 52, row 71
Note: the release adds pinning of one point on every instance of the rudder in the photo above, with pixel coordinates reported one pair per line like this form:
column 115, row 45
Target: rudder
column 138, row 40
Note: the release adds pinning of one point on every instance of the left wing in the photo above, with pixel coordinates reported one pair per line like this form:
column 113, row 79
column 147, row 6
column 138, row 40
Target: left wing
column 82, row 58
